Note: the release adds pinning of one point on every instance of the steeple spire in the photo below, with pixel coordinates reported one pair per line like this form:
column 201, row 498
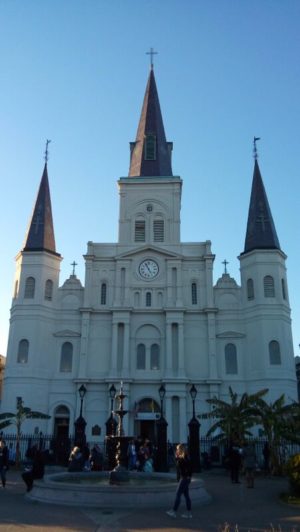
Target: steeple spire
column 150, row 153
column 261, row 232
column 40, row 235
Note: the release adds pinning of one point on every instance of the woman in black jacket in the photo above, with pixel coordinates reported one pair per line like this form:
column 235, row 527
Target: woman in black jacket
column 184, row 475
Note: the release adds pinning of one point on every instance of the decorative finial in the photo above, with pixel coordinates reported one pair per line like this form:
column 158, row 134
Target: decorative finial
column 46, row 151
column 151, row 53
column 225, row 262
column 255, row 154
column 73, row 264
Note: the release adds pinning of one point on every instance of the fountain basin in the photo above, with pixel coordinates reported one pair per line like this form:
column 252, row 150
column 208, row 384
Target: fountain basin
column 89, row 489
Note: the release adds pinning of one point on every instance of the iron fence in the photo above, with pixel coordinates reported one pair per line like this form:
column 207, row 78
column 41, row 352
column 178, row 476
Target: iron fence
column 57, row 450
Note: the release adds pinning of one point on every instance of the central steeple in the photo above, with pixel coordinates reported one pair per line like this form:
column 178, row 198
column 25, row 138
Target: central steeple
column 150, row 153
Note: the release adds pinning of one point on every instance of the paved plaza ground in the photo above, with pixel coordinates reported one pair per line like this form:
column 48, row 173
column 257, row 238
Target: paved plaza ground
column 255, row 510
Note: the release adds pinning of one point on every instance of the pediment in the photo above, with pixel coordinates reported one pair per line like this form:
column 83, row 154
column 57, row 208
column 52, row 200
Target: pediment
column 66, row 333
column 230, row 334
column 148, row 249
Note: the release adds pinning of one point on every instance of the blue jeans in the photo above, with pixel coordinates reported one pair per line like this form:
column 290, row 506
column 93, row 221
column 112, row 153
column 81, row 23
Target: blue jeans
column 183, row 489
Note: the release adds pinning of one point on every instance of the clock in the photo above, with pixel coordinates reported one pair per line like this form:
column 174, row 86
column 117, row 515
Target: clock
column 148, row 269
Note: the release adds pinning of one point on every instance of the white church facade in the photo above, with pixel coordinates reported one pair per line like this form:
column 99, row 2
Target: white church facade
column 148, row 313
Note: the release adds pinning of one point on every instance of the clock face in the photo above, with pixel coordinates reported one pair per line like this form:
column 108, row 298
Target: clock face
column 148, row 269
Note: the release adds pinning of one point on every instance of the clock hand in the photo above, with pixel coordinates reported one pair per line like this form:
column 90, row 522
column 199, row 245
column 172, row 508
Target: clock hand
column 147, row 267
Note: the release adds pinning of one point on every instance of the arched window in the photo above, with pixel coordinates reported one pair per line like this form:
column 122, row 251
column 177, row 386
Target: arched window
column 141, row 357
column 274, row 353
column 23, row 350
column 269, row 288
column 158, row 230
column 29, row 288
column 136, row 299
column 154, row 356
column 66, row 357
column 148, row 299
column 48, row 290
column 230, row 359
column 283, row 289
column 194, row 293
column 103, row 293
column 250, row 289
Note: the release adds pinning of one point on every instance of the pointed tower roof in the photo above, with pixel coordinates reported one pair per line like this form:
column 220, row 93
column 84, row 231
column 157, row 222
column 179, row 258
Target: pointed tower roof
column 150, row 153
column 40, row 234
column 261, row 232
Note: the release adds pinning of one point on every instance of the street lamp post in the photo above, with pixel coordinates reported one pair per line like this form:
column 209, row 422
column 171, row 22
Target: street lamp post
column 194, row 440
column 80, row 423
column 111, row 427
column 111, row 423
column 162, row 444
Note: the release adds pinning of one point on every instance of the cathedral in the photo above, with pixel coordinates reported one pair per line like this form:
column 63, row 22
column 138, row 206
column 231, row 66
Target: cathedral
column 149, row 313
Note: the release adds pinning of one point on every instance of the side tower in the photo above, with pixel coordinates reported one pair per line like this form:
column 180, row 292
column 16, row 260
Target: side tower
column 269, row 361
column 33, row 307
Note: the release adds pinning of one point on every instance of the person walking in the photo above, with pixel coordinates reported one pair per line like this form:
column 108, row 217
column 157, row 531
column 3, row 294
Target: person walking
column 184, row 475
column 249, row 463
column 4, row 459
column 36, row 471
column 235, row 459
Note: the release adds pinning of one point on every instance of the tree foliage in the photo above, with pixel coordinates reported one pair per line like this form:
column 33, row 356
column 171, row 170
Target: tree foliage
column 17, row 419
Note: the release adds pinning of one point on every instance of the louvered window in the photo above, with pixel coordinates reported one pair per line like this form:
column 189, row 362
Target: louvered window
column 103, row 293
column 139, row 231
column 250, row 289
column 150, row 148
column 283, row 289
column 148, row 299
column 194, row 294
column 158, row 230
column 269, row 288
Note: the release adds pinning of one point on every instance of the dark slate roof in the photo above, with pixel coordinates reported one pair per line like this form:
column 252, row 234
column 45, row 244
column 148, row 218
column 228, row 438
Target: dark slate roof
column 40, row 235
column 151, row 123
column 261, row 232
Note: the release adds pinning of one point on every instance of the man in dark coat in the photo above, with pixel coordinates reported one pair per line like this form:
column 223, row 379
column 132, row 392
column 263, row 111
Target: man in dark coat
column 4, row 458
column 36, row 470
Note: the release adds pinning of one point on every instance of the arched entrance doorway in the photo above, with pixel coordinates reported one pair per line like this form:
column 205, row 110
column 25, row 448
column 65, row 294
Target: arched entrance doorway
column 61, row 444
column 146, row 414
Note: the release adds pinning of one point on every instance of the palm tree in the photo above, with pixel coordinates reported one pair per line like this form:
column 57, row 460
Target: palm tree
column 233, row 418
column 279, row 421
column 18, row 419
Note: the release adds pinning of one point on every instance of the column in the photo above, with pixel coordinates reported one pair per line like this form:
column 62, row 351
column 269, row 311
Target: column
column 168, row 416
column 126, row 349
column 181, row 364
column 168, row 366
column 85, row 327
column 182, row 418
column 114, row 346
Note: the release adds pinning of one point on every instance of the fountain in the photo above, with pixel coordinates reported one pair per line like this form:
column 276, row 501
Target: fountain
column 120, row 442
column 118, row 488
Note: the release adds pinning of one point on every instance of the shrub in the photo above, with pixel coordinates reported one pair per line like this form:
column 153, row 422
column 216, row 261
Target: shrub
column 292, row 470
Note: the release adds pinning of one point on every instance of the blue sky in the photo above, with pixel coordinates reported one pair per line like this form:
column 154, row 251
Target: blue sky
column 75, row 72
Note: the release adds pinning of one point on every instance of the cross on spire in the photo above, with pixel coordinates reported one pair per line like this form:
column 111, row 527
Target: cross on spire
column 151, row 53
column 73, row 264
column 46, row 151
column 225, row 262
column 255, row 154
